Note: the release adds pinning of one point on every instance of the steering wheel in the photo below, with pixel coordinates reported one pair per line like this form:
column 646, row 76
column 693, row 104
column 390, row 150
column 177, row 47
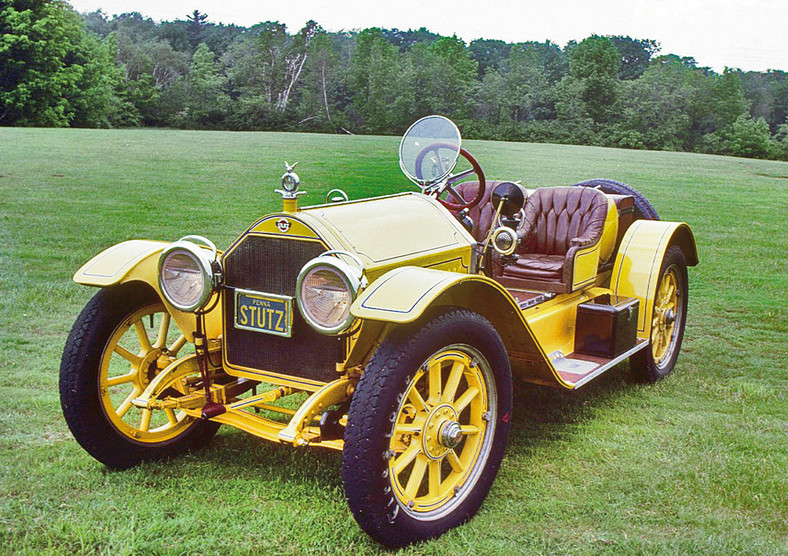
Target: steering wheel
column 448, row 185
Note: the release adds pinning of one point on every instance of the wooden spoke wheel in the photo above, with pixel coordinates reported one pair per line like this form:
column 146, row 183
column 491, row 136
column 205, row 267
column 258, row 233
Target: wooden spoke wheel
column 122, row 339
column 427, row 428
column 668, row 309
column 668, row 319
column 441, row 434
column 138, row 349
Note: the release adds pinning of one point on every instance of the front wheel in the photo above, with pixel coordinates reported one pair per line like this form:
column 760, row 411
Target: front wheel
column 122, row 339
column 668, row 319
column 427, row 428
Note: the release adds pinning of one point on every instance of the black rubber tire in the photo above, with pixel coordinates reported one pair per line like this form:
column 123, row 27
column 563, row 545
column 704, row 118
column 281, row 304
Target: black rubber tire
column 79, row 384
column 642, row 364
column 368, row 487
column 643, row 209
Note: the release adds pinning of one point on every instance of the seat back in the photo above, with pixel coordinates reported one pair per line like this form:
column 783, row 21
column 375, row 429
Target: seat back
column 556, row 215
column 483, row 213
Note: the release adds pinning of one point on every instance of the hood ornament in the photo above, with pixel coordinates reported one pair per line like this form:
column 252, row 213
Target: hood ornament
column 290, row 182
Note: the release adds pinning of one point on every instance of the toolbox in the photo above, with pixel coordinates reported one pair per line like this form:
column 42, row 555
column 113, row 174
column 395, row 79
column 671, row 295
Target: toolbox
column 606, row 326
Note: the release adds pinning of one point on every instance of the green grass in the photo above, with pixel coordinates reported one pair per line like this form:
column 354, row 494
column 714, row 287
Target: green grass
column 694, row 464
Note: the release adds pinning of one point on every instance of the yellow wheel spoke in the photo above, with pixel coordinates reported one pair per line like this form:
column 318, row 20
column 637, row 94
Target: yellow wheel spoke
column 465, row 399
column 122, row 379
column 405, row 458
column 145, row 420
column 435, row 477
column 127, row 355
column 179, row 343
column 142, row 334
column 416, row 398
column 455, row 462
column 437, row 445
column 164, row 329
column 435, row 383
column 171, row 417
column 124, row 407
column 407, row 428
column 416, row 477
column 453, row 382
column 135, row 348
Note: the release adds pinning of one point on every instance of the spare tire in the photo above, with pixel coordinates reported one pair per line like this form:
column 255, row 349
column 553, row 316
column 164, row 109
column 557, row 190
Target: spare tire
column 643, row 209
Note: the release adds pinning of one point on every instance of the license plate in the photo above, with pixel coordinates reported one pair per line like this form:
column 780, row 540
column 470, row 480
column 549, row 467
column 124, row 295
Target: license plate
column 264, row 312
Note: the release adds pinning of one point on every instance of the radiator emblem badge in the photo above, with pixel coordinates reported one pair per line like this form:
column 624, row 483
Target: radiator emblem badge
column 283, row 224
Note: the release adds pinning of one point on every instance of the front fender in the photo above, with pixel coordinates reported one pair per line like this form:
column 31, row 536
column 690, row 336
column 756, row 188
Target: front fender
column 402, row 295
column 122, row 262
column 138, row 261
column 636, row 270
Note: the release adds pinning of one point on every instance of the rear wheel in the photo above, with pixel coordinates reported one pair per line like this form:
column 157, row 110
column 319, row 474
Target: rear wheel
column 427, row 429
column 667, row 321
column 122, row 339
column 643, row 209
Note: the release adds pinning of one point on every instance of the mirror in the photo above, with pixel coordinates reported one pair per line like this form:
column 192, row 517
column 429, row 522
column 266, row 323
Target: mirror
column 429, row 150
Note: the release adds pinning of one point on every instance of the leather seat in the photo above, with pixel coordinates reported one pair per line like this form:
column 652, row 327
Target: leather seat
column 559, row 224
column 536, row 265
column 483, row 213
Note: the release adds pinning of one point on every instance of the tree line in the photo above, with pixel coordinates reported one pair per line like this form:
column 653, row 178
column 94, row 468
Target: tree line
column 61, row 68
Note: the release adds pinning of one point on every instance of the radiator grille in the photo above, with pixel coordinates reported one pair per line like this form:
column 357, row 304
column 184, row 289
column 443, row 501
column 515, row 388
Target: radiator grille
column 271, row 265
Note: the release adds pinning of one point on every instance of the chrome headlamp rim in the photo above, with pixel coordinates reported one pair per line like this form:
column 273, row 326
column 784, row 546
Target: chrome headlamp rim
column 204, row 258
column 350, row 276
column 504, row 230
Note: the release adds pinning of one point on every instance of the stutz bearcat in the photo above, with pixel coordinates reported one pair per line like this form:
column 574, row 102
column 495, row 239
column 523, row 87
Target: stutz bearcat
column 400, row 319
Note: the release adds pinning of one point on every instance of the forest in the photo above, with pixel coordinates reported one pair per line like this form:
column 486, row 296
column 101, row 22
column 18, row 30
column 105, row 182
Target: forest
column 62, row 68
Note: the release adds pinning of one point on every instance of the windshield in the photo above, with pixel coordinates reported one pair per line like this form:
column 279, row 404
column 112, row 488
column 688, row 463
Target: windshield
column 429, row 150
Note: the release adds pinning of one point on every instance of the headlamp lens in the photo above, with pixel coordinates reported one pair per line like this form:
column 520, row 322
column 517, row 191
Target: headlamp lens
column 325, row 297
column 186, row 275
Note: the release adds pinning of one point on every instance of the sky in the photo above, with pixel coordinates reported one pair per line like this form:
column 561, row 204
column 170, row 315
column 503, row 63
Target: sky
column 746, row 34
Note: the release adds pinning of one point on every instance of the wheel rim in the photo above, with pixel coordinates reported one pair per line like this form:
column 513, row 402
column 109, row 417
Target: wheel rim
column 442, row 432
column 667, row 316
column 138, row 349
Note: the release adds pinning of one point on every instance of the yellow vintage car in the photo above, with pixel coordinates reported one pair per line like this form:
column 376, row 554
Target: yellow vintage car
column 387, row 328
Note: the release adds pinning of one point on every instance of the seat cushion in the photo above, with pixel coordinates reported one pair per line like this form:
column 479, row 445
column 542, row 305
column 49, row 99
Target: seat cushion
column 534, row 265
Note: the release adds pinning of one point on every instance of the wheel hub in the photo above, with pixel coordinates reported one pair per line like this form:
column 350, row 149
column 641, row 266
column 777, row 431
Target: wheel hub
column 441, row 432
column 451, row 434
column 149, row 367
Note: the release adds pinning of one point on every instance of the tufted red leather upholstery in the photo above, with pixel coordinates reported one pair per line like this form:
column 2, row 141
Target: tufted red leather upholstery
column 558, row 217
column 482, row 214
column 558, row 221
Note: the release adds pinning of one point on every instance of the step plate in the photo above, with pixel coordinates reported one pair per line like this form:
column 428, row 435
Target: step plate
column 577, row 370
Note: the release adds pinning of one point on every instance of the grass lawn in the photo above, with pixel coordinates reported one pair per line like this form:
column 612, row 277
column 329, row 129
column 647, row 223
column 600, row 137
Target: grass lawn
column 695, row 464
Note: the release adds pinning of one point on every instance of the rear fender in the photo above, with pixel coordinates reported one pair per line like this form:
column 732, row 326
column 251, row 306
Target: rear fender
column 403, row 295
column 138, row 261
column 636, row 270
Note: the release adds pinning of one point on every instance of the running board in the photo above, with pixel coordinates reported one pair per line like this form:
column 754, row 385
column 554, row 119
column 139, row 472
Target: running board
column 578, row 369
